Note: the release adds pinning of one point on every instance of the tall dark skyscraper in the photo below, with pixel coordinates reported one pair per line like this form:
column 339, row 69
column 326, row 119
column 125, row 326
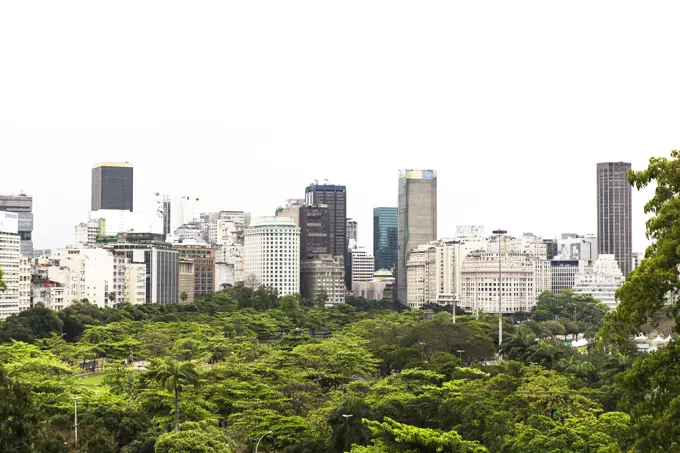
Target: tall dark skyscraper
column 614, row 234
column 335, row 197
column 417, row 218
column 314, row 231
column 112, row 186
column 385, row 237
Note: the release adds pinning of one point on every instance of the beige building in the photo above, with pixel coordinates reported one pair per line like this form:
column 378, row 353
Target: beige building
column 381, row 287
column 421, row 274
column 324, row 275
column 24, row 283
column 135, row 286
column 186, row 280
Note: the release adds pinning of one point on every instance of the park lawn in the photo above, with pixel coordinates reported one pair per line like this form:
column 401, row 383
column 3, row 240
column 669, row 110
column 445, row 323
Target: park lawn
column 93, row 379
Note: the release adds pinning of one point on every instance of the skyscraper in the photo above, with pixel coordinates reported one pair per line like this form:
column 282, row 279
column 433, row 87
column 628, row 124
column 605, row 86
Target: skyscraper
column 336, row 199
column 112, row 186
column 385, row 237
column 614, row 235
column 21, row 204
column 417, row 223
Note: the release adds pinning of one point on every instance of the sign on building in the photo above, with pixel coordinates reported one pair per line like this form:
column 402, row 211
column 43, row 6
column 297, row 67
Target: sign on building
column 9, row 222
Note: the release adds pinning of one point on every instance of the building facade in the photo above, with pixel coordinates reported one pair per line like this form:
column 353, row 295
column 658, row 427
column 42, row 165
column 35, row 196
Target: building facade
column 85, row 234
column 421, row 274
column 577, row 247
column 417, row 218
column 203, row 258
column 522, row 278
column 363, row 266
column 564, row 273
column 352, row 233
column 601, row 281
column 381, row 287
column 112, row 186
column 335, row 198
column 85, row 274
column 272, row 254
column 24, row 283
column 614, row 213
column 323, row 279
column 385, row 221
column 10, row 263
column 187, row 280
column 22, row 205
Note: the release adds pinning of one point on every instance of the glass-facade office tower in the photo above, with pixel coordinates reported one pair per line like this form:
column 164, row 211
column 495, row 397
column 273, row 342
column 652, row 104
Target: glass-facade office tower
column 385, row 237
column 112, row 186
column 614, row 234
column 417, row 218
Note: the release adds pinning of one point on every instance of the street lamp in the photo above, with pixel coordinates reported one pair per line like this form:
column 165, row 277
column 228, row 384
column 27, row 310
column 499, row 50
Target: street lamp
column 262, row 437
column 460, row 355
column 347, row 417
column 422, row 351
column 500, row 234
column 75, row 416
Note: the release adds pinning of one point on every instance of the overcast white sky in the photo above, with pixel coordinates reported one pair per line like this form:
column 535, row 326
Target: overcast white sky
column 244, row 103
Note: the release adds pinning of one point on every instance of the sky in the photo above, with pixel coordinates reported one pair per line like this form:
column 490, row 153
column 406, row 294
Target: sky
column 243, row 104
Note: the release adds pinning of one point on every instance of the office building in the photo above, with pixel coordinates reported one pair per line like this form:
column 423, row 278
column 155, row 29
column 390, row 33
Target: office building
column 22, row 205
column 352, row 233
column 322, row 279
column 577, row 247
column 10, row 263
column 417, row 218
column 421, row 274
column 523, row 278
column 614, row 235
column 112, row 186
column 315, row 234
column 550, row 248
column 272, row 254
column 564, row 272
column 161, row 262
column 601, row 280
column 187, row 280
column 363, row 266
column 203, row 258
column 385, row 222
column 335, row 198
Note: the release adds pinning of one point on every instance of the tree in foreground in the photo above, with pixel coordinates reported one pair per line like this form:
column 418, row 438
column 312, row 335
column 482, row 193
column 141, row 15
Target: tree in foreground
column 173, row 375
column 646, row 294
column 195, row 439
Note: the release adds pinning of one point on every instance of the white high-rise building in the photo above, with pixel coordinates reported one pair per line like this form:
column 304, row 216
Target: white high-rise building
column 421, row 276
column 24, row 283
column 363, row 266
column 85, row 234
column 10, row 263
column 272, row 254
column 576, row 247
column 86, row 274
column 324, row 276
column 135, row 283
column 352, row 233
column 601, row 281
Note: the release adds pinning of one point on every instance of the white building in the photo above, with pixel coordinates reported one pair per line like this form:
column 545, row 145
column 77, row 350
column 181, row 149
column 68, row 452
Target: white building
column 114, row 221
column 576, row 247
column 188, row 231
column 184, row 210
column 272, row 254
column 363, row 266
column 50, row 294
column 522, row 278
column 24, row 283
column 470, row 231
column 421, row 276
column 10, row 263
column 564, row 273
column 601, row 281
column 381, row 287
column 85, row 234
column 324, row 276
column 85, row 274
column 637, row 259
column 135, row 283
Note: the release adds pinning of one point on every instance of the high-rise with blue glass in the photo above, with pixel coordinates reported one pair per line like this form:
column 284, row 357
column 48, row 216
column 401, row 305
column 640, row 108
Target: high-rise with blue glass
column 385, row 237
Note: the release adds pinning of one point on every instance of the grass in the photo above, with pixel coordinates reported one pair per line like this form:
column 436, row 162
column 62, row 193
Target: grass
column 93, row 379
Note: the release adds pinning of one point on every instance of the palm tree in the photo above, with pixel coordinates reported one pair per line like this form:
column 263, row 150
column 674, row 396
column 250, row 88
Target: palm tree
column 545, row 354
column 173, row 374
column 517, row 345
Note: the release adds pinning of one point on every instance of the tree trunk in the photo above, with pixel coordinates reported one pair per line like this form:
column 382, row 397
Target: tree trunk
column 176, row 410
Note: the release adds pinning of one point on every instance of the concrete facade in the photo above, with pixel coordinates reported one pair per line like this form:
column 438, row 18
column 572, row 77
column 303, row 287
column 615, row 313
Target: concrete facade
column 614, row 213
column 601, row 281
column 10, row 263
column 417, row 218
column 186, row 280
column 323, row 276
column 22, row 205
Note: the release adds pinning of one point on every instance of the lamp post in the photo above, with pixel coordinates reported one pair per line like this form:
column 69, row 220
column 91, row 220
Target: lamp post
column 500, row 234
column 75, row 416
column 261, row 437
column 460, row 355
column 422, row 351
column 347, row 417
